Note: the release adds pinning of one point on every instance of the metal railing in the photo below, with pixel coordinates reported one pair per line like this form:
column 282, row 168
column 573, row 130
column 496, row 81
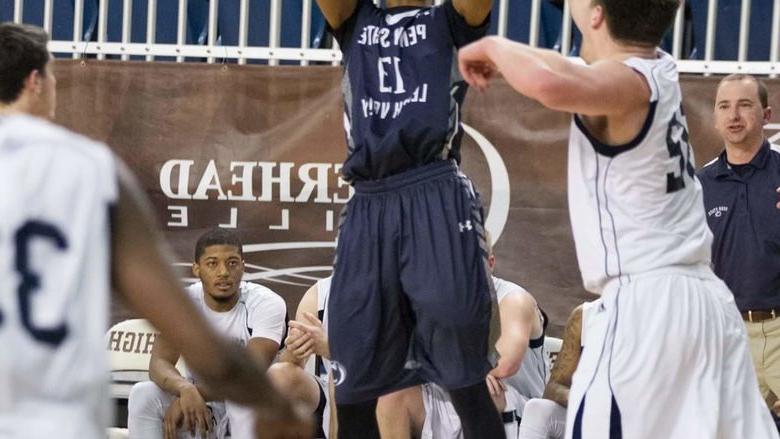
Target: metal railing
column 505, row 12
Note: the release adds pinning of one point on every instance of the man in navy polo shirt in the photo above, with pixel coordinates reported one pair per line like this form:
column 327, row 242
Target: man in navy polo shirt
column 742, row 201
column 411, row 297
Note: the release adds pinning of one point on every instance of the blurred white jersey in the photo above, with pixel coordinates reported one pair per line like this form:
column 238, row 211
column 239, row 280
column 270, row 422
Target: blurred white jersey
column 55, row 192
column 638, row 207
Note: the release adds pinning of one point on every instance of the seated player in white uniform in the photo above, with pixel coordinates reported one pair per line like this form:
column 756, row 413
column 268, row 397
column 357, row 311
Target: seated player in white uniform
column 545, row 418
column 520, row 375
column 249, row 315
column 307, row 337
column 61, row 252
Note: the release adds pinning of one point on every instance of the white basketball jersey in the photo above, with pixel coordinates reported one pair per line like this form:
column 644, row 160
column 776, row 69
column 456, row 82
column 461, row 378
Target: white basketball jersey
column 531, row 377
column 55, row 192
column 638, row 207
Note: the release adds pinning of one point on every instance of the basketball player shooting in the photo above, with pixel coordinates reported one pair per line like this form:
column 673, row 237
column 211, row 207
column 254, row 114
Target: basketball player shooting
column 411, row 297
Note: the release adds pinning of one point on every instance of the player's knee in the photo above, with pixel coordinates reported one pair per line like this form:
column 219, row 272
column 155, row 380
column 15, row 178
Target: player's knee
column 284, row 376
column 293, row 382
column 392, row 405
column 144, row 396
column 400, row 403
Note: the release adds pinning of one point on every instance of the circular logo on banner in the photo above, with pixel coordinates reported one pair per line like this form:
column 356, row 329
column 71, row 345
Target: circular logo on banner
column 498, row 212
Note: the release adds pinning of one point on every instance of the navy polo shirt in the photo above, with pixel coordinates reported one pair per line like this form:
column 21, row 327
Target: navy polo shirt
column 741, row 213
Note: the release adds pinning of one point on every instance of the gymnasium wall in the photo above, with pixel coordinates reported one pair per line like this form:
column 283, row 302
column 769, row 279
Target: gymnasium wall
column 258, row 149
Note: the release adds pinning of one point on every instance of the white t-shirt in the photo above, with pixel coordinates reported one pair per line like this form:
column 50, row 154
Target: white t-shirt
column 259, row 312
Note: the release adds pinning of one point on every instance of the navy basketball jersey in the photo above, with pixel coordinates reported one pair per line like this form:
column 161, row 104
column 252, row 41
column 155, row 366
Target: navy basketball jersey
column 402, row 89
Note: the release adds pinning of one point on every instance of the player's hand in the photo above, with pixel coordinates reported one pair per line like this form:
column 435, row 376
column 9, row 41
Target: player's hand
column 497, row 391
column 195, row 412
column 475, row 65
column 312, row 326
column 284, row 422
column 299, row 344
column 172, row 419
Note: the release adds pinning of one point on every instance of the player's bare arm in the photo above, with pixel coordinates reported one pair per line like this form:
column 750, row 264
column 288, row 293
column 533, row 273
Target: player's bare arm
column 313, row 339
column 142, row 275
column 190, row 405
column 518, row 322
column 263, row 351
column 296, row 350
column 473, row 11
column 336, row 12
column 557, row 388
column 601, row 89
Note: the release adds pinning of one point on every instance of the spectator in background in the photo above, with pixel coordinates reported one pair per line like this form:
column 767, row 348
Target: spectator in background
column 250, row 315
column 742, row 201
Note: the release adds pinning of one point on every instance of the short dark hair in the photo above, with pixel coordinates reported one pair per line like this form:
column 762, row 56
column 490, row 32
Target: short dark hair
column 23, row 49
column 217, row 236
column 763, row 95
column 641, row 22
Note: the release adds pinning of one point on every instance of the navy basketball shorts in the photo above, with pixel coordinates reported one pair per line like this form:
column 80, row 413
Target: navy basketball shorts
column 411, row 298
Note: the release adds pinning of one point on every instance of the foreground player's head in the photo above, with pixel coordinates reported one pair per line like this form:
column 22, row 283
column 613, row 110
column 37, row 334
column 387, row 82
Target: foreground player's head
column 219, row 264
column 27, row 84
column 608, row 25
column 741, row 111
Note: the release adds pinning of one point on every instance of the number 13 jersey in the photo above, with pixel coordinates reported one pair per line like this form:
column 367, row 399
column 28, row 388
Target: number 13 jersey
column 638, row 207
column 402, row 89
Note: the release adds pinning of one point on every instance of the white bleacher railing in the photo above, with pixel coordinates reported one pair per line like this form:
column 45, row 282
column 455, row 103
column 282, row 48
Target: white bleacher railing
column 213, row 50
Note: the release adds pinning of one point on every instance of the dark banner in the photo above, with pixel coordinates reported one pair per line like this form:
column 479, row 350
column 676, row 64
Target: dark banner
column 258, row 150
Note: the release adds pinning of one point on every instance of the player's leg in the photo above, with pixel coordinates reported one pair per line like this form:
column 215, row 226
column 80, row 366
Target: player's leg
column 369, row 320
column 677, row 324
column 512, row 411
column 146, row 408
column 445, row 275
column 401, row 413
column 302, row 387
column 295, row 383
column 542, row 419
column 651, row 321
column 477, row 413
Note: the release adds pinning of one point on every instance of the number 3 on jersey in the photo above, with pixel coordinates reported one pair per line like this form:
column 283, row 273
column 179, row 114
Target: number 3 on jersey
column 678, row 145
column 31, row 281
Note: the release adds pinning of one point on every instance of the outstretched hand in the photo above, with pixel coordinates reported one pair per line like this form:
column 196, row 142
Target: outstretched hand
column 475, row 65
